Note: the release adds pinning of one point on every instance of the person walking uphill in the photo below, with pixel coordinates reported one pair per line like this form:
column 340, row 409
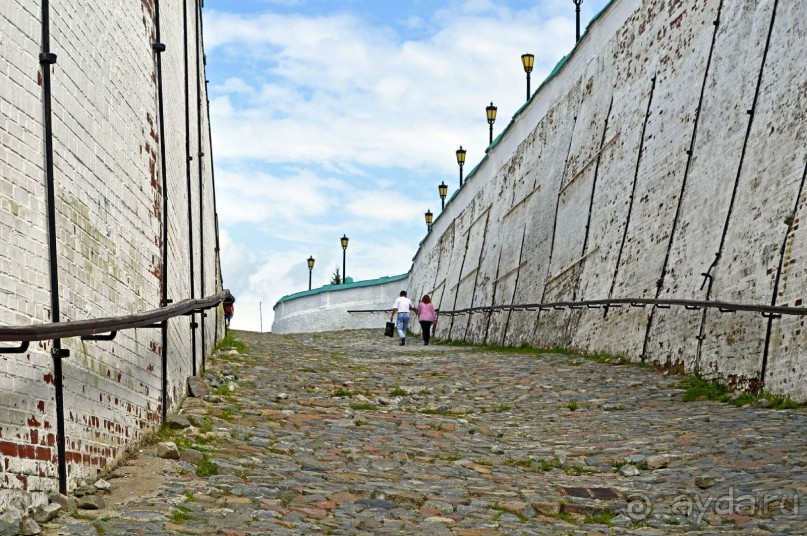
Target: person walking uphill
column 427, row 316
column 402, row 306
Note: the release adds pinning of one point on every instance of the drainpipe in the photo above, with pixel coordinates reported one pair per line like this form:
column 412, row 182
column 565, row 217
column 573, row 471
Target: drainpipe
column 212, row 177
column 159, row 48
column 188, row 159
column 199, row 155
column 46, row 59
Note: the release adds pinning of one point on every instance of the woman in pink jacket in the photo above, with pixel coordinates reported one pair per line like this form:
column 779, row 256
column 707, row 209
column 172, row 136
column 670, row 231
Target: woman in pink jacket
column 427, row 316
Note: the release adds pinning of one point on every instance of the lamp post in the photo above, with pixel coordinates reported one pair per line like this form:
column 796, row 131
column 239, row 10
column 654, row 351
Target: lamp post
column 577, row 13
column 460, row 161
column 443, row 189
column 344, row 241
column 491, row 112
column 528, row 61
column 429, row 218
column 310, row 269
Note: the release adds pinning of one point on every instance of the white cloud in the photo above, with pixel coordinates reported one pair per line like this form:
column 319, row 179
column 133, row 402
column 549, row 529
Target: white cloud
column 326, row 124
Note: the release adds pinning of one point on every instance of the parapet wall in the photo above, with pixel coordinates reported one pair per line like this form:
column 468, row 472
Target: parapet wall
column 672, row 143
column 109, row 227
column 326, row 308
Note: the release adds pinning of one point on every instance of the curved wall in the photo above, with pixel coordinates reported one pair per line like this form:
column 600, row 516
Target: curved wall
column 109, row 228
column 670, row 144
column 326, row 308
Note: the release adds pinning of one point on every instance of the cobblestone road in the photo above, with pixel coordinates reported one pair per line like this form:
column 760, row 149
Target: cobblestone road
column 349, row 433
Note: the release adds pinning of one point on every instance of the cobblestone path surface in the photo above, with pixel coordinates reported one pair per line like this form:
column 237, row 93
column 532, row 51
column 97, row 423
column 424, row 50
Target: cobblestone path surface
column 349, row 433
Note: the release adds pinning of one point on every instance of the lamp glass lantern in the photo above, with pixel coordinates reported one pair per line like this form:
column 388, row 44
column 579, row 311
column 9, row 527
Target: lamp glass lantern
column 429, row 218
column 443, row 189
column 344, row 240
column 528, row 61
column 461, row 161
column 310, row 268
column 491, row 113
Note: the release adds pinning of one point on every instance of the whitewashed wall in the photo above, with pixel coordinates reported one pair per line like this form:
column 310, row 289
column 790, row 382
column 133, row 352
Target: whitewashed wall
column 675, row 132
column 109, row 229
column 326, row 308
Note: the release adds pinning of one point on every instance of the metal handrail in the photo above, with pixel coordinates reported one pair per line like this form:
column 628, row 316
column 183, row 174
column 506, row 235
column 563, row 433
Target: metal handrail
column 724, row 307
column 95, row 326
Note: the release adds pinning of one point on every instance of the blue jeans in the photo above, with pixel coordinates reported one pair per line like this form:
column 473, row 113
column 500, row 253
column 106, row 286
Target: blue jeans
column 402, row 323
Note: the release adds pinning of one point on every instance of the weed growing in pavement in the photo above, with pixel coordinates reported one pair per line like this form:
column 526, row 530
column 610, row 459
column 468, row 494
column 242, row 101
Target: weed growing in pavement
column 573, row 405
column 206, row 468
column 565, row 516
column 229, row 341
column 180, row 514
column 227, row 415
column 603, row 518
column 525, row 348
column 398, row 392
column 698, row 388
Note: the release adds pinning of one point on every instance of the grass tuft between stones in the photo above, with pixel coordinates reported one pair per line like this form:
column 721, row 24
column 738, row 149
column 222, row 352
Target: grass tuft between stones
column 229, row 341
column 698, row 388
column 206, row 468
column 180, row 514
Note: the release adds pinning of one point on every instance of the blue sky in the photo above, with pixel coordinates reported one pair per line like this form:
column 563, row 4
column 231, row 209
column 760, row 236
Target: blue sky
column 342, row 117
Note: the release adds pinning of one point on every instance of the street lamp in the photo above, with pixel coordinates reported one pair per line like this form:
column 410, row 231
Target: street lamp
column 528, row 61
column 443, row 189
column 491, row 111
column 310, row 268
column 429, row 218
column 577, row 13
column 460, row 161
column 344, row 241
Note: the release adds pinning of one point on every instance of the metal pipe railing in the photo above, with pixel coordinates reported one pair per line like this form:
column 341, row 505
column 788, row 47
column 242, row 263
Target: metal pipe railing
column 98, row 329
column 614, row 303
column 96, row 326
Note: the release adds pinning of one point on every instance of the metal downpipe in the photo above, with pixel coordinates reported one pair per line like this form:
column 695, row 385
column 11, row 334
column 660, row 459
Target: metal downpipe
column 188, row 159
column 46, row 59
column 199, row 155
column 159, row 48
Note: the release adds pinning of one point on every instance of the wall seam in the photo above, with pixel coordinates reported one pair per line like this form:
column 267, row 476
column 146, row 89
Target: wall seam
column 690, row 152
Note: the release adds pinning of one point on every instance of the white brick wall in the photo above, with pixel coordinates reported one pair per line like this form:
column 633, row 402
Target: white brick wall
column 326, row 309
column 539, row 199
column 109, row 229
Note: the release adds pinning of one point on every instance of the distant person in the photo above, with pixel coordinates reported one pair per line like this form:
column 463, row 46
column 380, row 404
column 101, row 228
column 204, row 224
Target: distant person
column 229, row 309
column 427, row 316
column 402, row 306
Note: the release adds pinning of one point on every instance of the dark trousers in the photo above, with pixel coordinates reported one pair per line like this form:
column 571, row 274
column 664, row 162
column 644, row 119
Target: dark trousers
column 426, row 327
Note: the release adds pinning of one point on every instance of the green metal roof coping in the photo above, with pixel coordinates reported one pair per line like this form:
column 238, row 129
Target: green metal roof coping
column 345, row 286
column 558, row 67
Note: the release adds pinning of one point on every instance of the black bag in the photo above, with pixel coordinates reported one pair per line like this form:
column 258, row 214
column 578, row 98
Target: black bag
column 390, row 329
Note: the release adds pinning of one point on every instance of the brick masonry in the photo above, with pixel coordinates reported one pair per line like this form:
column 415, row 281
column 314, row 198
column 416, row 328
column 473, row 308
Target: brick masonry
column 109, row 222
column 674, row 132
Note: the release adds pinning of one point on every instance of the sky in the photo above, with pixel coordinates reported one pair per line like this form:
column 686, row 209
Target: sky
column 342, row 117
